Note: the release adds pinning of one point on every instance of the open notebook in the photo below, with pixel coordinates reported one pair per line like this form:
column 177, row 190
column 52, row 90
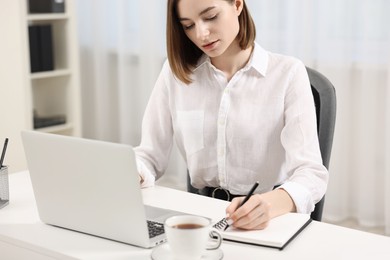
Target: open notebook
column 280, row 231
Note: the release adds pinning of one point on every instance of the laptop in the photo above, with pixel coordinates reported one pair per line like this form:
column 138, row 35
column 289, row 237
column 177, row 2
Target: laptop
column 92, row 187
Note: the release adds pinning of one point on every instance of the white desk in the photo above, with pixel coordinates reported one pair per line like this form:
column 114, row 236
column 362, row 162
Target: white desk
column 23, row 236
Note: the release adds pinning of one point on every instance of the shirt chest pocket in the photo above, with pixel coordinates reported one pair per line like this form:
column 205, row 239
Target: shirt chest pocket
column 190, row 125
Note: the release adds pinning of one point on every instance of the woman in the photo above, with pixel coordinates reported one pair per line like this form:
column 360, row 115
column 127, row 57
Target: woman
column 238, row 113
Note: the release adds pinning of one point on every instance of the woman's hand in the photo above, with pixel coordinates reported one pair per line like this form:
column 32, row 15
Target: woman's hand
column 259, row 209
column 254, row 214
column 141, row 179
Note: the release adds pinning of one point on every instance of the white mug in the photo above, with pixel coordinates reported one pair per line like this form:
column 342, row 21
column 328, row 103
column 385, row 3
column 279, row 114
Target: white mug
column 189, row 236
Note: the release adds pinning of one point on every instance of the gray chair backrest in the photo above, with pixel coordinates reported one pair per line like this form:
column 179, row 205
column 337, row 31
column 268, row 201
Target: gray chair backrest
column 324, row 95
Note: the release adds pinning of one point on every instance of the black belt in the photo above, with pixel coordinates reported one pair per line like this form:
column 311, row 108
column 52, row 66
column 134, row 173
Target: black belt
column 218, row 193
column 221, row 193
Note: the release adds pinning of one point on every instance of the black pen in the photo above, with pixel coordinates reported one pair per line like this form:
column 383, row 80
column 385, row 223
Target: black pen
column 3, row 153
column 250, row 193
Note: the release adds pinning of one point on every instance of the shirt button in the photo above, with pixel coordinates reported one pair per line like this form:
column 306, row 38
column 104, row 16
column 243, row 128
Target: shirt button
column 221, row 152
column 226, row 90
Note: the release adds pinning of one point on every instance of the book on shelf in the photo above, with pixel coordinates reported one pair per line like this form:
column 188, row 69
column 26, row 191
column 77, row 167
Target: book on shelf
column 46, row 6
column 41, row 47
column 46, row 48
column 33, row 37
column 46, row 121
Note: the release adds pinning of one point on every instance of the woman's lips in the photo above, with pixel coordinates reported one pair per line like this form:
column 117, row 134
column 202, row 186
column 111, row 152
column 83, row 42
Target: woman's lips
column 210, row 45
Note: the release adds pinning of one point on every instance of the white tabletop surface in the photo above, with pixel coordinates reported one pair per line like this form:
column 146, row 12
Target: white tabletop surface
column 23, row 235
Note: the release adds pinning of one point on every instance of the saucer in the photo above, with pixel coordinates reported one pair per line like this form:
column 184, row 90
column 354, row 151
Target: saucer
column 163, row 252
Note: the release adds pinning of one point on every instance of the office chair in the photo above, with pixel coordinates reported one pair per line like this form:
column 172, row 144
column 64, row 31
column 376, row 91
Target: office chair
column 325, row 100
column 324, row 95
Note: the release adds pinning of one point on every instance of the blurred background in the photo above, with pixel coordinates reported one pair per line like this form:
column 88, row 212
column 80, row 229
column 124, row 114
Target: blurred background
column 122, row 48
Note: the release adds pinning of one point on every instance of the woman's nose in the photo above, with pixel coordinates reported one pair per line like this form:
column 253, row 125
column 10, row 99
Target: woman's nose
column 202, row 32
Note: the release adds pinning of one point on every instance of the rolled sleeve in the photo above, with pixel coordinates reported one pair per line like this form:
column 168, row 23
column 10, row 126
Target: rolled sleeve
column 300, row 195
column 308, row 177
column 157, row 133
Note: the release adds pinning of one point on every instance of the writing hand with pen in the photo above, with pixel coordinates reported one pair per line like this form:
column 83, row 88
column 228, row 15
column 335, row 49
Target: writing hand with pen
column 255, row 211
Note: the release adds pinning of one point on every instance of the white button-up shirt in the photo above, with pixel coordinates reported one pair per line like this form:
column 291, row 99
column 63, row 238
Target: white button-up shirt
column 259, row 126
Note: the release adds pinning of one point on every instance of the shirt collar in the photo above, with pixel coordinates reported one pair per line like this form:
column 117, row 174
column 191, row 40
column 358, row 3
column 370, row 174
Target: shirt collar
column 202, row 60
column 258, row 60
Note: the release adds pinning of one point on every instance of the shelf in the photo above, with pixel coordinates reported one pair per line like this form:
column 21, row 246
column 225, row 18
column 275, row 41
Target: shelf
column 46, row 93
column 46, row 17
column 50, row 74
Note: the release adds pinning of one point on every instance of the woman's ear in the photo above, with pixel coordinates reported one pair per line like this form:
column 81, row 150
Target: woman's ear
column 239, row 4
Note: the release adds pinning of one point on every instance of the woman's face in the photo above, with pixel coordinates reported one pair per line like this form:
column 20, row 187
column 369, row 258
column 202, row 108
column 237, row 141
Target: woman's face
column 212, row 25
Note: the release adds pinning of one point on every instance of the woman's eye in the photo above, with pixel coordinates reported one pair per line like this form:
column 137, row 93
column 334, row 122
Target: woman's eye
column 212, row 18
column 187, row 27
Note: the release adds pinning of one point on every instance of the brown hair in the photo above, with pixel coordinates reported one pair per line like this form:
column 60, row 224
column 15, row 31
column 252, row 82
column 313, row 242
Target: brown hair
column 183, row 54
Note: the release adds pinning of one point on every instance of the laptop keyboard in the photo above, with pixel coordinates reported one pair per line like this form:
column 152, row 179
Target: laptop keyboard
column 155, row 228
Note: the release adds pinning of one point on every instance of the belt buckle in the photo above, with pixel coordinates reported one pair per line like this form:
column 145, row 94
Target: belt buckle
column 222, row 189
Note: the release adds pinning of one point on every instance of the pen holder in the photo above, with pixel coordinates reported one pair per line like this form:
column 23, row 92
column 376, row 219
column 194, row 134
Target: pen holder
column 4, row 187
